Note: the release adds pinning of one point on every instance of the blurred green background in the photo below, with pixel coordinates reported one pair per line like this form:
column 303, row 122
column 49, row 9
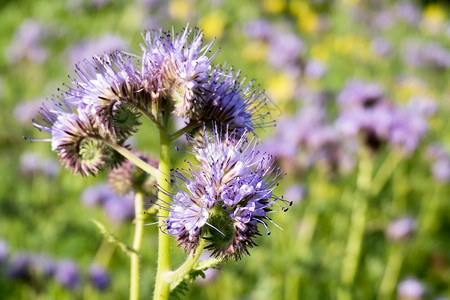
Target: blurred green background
column 298, row 50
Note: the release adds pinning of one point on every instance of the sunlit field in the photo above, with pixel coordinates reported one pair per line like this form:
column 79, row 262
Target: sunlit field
column 356, row 115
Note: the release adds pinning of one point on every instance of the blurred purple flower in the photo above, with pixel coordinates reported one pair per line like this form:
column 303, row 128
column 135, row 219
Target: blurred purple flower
column 384, row 19
column 28, row 42
column 410, row 289
column 428, row 54
column 32, row 163
column 25, row 111
column 401, row 229
column 258, row 29
column 107, row 43
column 408, row 11
column 19, row 266
column 441, row 169
column 285, row 50
column 315, row 69
column 96, row 195
column 358, row 94
column 295, row 193
column 4, row 250
column 42, row 265
column 381, row 46
column 119, row 208
column 408, row 128
column 99, row 277
column 67, row 274
column 422, row 105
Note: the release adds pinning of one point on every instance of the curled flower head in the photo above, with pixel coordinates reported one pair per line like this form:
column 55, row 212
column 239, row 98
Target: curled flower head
column 229, row 101
column 225, row 198
column 80, row 143
column 128, row 177
column 176, row 66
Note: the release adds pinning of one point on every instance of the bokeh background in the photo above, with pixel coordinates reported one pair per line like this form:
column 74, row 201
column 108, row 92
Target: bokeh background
column 360, row 91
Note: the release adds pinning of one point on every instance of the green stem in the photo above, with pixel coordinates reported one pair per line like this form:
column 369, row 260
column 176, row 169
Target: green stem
column 134, row 256
column 187, row 128
column 393, row 266
column 385, row 172
column 358, row 221
column 178, row 275
column 162, row 287
column 134, row 159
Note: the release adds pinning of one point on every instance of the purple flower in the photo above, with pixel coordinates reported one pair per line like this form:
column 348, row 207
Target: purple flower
column 431, row 54
column 295, row 193
column 258, row 29
column 225, row 198
column 408, row 128
column 176, row 66
column 25, row 111
column 99, row 277
column 441, row 169
column 285, row 50
column 119, row 208
column 42, row 265
column 401, row 229
column 96, row 195
column 32, row 164
column 231, row 102
column 67, row 274
column 440, row 160
column 28, row 42
column 315, row 69
column 408, row 12
column 357, row 94
column 381, row 46
column 410, row 289
column 19, row 266
column 96, row 46
column 4, row 250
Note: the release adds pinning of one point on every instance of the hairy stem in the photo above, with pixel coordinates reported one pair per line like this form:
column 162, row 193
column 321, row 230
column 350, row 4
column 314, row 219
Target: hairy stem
column 162, row 287
column 134, row 159
column 177, row 276
column 192, row 125
column 134, row 256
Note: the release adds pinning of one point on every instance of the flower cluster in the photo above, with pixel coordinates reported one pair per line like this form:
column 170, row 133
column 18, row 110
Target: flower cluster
column 225, row 198
column 366, row 113
column 172, row 74
column 41, row 269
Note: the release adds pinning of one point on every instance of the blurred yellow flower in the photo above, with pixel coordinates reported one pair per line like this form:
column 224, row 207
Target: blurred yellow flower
column 324, row 190
column 254, row 51
column 179, row 9
column 213, row 24
column 351, row 2
column 433, row 18
column 307, row 19
column 409, row 87
column 320, row 51
column 274, row 6
column 280, row 88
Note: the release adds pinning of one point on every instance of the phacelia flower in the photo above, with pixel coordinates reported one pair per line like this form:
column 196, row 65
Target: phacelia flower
column 99, row 277
column 176, row 66
column 67, row 274
column 401, row 229
column 225, row 198
column 410, row 289
column 77, row 137
column 128, row 177
column 229, row 101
